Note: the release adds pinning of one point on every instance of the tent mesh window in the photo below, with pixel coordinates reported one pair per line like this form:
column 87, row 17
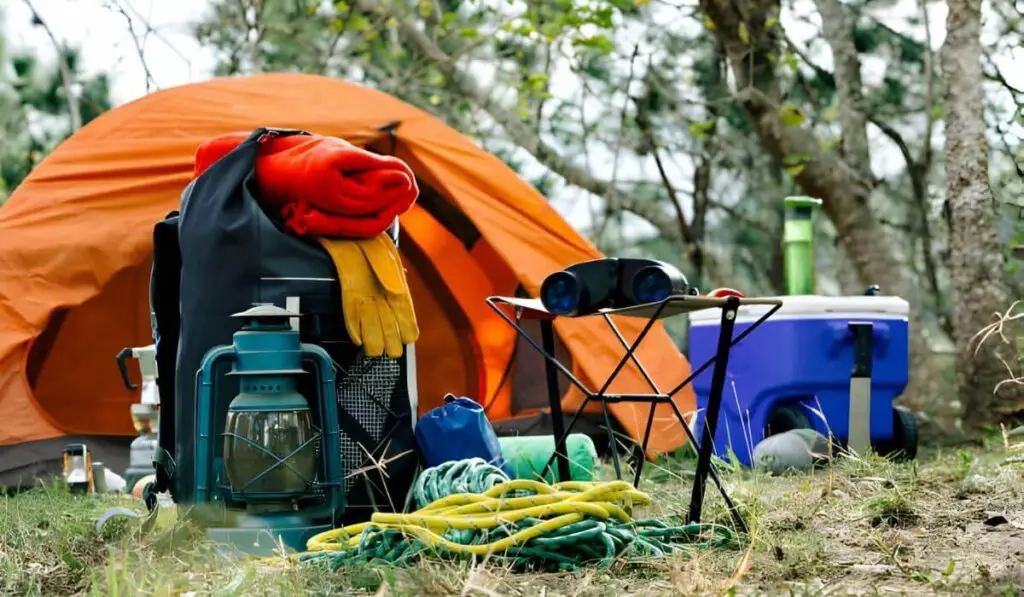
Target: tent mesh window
column 366, row 389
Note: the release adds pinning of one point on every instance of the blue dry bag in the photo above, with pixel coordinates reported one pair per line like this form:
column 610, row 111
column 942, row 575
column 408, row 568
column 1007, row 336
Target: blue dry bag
column 457, row 430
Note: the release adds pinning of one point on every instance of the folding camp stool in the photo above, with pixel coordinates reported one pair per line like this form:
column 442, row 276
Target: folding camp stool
column 674, row 305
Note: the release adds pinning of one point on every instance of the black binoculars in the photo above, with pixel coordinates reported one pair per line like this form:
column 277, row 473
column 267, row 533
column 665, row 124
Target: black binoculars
column 612, row 283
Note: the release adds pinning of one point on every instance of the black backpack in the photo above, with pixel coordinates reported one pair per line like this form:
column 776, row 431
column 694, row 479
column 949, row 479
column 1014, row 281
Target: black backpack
column 219, row 256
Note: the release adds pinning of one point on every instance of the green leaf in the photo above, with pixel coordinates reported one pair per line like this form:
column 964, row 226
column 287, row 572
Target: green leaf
column 828, row 143
column 523, row 29
column 792, row 159
column 744, row 34
column 359, row 23
column 596, row 42
column 937, row 112
column 551, row 30
column 469, row 32
column 831, row 113
column 794, row 163
column 435, row 78
column 537, row 81
column 790, row 60
column 701, row 129
column 792, row 115
column 603, row 18
column 708, row 23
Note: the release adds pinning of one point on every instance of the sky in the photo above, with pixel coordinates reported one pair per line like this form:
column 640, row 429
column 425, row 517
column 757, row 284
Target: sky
column 102, row 34
column 176, row 58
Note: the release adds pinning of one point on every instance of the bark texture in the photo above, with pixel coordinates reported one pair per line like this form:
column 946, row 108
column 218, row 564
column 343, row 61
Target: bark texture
column 837, row 29
column 977, row 283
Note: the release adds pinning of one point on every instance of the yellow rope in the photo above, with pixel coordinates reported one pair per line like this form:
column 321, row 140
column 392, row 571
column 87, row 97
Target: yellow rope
column 554, row 527
column 568, row 503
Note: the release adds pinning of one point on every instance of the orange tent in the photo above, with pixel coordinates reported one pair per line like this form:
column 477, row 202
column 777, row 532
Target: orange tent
column 75, row 250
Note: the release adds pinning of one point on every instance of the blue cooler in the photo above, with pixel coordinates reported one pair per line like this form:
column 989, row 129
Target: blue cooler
column 794, row 370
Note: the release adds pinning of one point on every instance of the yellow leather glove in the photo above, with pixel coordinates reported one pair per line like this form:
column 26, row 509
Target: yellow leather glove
column 375, row 296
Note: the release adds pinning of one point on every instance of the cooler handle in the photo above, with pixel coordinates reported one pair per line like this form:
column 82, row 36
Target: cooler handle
column 842, row 337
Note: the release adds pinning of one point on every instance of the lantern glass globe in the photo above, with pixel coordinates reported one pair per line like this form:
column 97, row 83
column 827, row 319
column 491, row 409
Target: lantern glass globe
column 256, row 439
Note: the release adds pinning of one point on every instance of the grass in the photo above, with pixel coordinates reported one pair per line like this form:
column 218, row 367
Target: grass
column 950, row 523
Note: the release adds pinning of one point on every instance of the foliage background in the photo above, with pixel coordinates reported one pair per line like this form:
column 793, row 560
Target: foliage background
column 669, row 128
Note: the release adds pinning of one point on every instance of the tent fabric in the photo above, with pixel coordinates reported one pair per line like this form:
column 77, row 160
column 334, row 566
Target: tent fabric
column 76, row 244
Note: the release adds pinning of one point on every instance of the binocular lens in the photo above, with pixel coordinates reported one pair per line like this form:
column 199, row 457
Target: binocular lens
column 560, row 293
column 651, row 285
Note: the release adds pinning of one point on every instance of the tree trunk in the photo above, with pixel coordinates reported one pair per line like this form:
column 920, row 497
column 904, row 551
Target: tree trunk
column 977, row 283
column 751, row 34
column 837, row 29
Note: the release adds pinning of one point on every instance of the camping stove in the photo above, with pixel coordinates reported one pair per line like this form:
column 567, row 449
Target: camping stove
column 145, row 413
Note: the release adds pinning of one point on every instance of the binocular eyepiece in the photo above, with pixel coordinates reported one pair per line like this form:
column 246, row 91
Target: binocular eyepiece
column 588, row 287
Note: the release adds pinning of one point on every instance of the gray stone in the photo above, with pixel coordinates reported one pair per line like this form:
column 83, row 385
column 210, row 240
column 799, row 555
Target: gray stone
column 798, row 449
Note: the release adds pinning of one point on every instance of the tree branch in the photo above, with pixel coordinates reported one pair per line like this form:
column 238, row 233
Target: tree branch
column 747, row 219
column 610, row 208
column 916, row 182
column 997, row 76
column 66, row 76
column 925, row 161
column 685, row 231
column 139, row 44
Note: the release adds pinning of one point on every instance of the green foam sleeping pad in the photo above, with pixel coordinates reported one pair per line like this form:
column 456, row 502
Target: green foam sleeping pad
column 527, row 455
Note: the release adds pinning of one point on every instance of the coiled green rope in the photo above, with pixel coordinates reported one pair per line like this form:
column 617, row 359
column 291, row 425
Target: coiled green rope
column 543, row 527
column 473, row 475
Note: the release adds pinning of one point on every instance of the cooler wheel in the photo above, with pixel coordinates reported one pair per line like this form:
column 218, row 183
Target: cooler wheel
column 903, row 444
column 786, row 418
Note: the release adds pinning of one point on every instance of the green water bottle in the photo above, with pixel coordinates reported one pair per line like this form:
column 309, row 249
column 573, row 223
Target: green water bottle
column 798, row 244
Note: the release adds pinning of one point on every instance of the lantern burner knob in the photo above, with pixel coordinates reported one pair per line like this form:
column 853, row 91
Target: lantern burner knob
column 265, row 311
column 265, row 315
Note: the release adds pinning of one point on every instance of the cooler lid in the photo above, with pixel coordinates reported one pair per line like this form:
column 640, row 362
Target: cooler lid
column 816, row 307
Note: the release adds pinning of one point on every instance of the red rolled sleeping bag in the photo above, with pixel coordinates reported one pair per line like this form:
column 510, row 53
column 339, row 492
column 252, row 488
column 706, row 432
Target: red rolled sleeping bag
column 323, row 186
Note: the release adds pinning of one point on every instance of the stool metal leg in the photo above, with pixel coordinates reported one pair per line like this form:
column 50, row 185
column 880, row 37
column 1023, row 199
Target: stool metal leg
column 547, row 338
column 714, row 405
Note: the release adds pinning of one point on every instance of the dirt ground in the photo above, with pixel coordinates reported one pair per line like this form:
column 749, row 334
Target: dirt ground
column 953, row 525
column 950, row 523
